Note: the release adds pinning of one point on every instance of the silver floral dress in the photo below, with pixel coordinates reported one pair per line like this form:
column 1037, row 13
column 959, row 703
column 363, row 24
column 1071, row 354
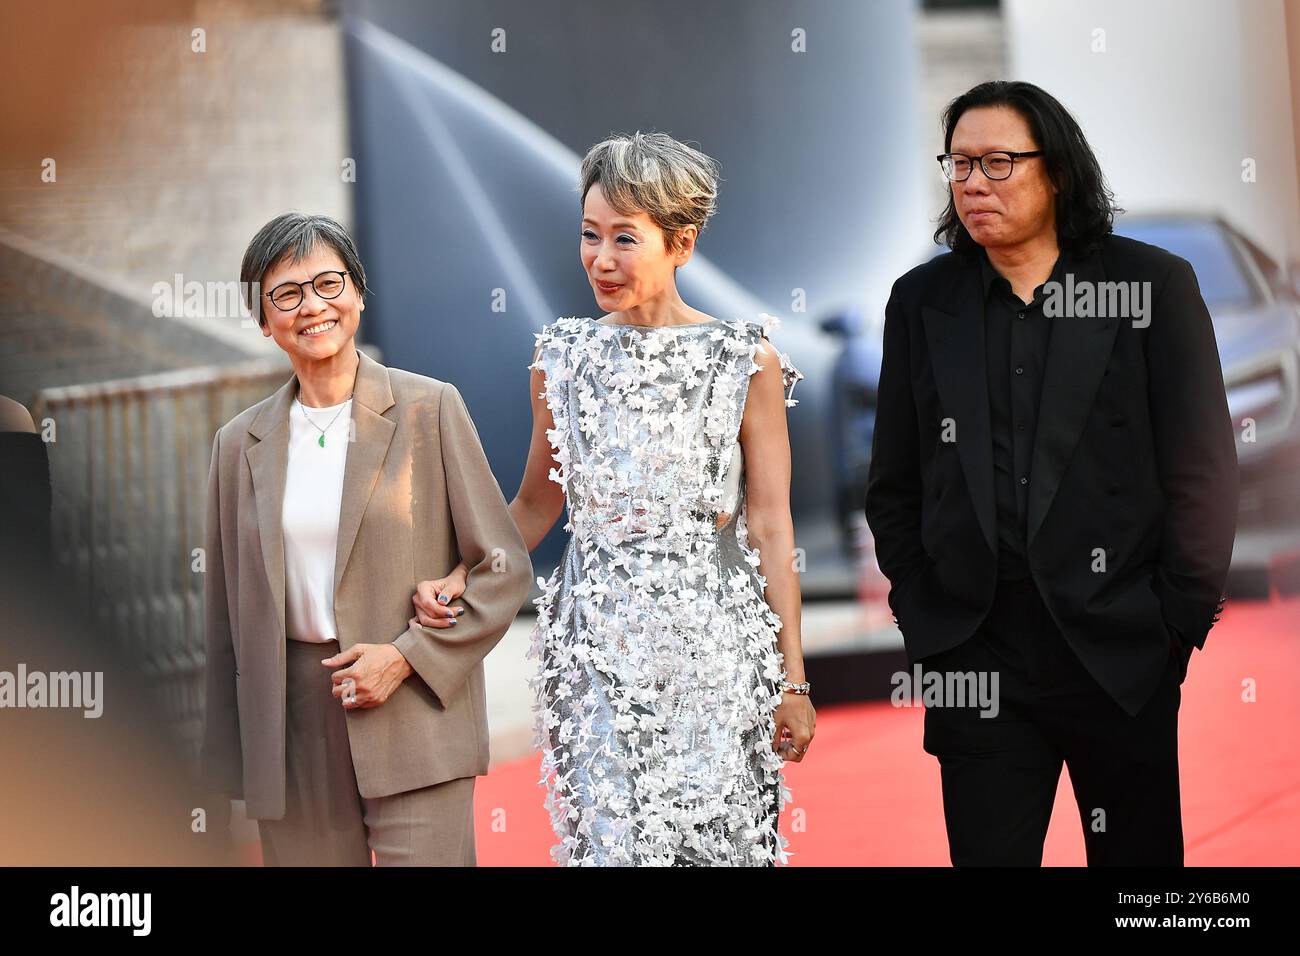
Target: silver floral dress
column 657, row 666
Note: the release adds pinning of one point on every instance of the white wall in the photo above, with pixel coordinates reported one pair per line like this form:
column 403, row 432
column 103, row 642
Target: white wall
column 1183, row 92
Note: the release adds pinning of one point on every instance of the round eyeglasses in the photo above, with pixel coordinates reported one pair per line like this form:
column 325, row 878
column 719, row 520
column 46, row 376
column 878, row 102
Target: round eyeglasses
column 288, row 296
column 996, row 165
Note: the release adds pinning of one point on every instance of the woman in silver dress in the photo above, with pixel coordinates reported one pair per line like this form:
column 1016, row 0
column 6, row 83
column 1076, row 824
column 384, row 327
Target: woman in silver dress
column 669, row 687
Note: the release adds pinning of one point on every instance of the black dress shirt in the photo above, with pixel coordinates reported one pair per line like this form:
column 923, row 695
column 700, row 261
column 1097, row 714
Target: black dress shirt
column 1016, row 338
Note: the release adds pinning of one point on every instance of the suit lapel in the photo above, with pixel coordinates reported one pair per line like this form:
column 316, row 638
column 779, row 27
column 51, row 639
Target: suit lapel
column 268, row 462
column 956, row 341
column 1076, row 359
column 371, row 397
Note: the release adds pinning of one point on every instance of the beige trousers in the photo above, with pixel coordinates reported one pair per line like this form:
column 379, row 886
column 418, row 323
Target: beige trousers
column 327, row 822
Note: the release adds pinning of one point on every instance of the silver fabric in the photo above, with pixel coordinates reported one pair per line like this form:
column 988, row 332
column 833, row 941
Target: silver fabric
column 657, row 658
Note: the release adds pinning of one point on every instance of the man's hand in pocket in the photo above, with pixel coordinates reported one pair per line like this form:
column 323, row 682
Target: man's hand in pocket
column 1183, row 652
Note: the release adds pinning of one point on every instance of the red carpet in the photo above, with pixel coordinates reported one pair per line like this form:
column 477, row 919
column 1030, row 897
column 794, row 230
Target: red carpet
column 869, row 795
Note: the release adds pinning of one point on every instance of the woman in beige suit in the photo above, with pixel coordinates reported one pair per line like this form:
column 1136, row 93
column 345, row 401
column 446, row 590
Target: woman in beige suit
column 346, row 725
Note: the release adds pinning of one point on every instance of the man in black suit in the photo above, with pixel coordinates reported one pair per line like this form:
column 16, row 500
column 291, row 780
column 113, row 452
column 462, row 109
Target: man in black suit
column 1052, row 490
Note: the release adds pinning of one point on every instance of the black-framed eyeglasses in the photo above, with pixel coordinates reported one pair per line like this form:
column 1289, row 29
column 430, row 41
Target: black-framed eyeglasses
column 996, row 164
column 288, row 295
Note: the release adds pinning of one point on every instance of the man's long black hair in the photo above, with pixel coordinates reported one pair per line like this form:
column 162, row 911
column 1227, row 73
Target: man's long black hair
column 1085, row 206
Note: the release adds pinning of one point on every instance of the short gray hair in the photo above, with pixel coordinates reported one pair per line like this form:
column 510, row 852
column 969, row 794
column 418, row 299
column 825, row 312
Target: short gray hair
column 674, row 184
column 296, row 234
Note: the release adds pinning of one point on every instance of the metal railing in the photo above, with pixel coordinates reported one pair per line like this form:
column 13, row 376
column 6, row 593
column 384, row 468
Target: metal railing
column 129, row 467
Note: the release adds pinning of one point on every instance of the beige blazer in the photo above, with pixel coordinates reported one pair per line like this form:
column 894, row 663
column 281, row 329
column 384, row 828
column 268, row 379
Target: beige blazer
column 418, row 496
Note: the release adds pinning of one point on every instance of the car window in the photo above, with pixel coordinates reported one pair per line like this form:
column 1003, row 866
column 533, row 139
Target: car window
column 1223, row 280
column 1268, row 266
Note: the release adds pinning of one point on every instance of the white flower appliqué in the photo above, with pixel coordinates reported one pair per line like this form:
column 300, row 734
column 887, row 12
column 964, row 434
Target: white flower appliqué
column 657, row 664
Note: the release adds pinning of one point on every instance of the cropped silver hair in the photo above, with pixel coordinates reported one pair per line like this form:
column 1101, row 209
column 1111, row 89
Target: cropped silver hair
column 674, row 184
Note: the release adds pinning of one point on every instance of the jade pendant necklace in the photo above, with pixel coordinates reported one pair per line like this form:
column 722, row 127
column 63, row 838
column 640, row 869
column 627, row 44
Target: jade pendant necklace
column 321, row 441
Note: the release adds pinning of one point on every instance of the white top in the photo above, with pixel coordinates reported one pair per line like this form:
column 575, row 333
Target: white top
column 313, row 496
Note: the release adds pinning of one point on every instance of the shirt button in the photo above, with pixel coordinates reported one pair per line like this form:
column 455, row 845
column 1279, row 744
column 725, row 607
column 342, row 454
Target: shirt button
column 1024, row 481
column 1020, row 370
column 1020, row 427
column 1020, row 315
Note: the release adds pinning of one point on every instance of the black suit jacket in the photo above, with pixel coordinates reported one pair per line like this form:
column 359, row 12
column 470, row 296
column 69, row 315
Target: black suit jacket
column 1134, row 459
